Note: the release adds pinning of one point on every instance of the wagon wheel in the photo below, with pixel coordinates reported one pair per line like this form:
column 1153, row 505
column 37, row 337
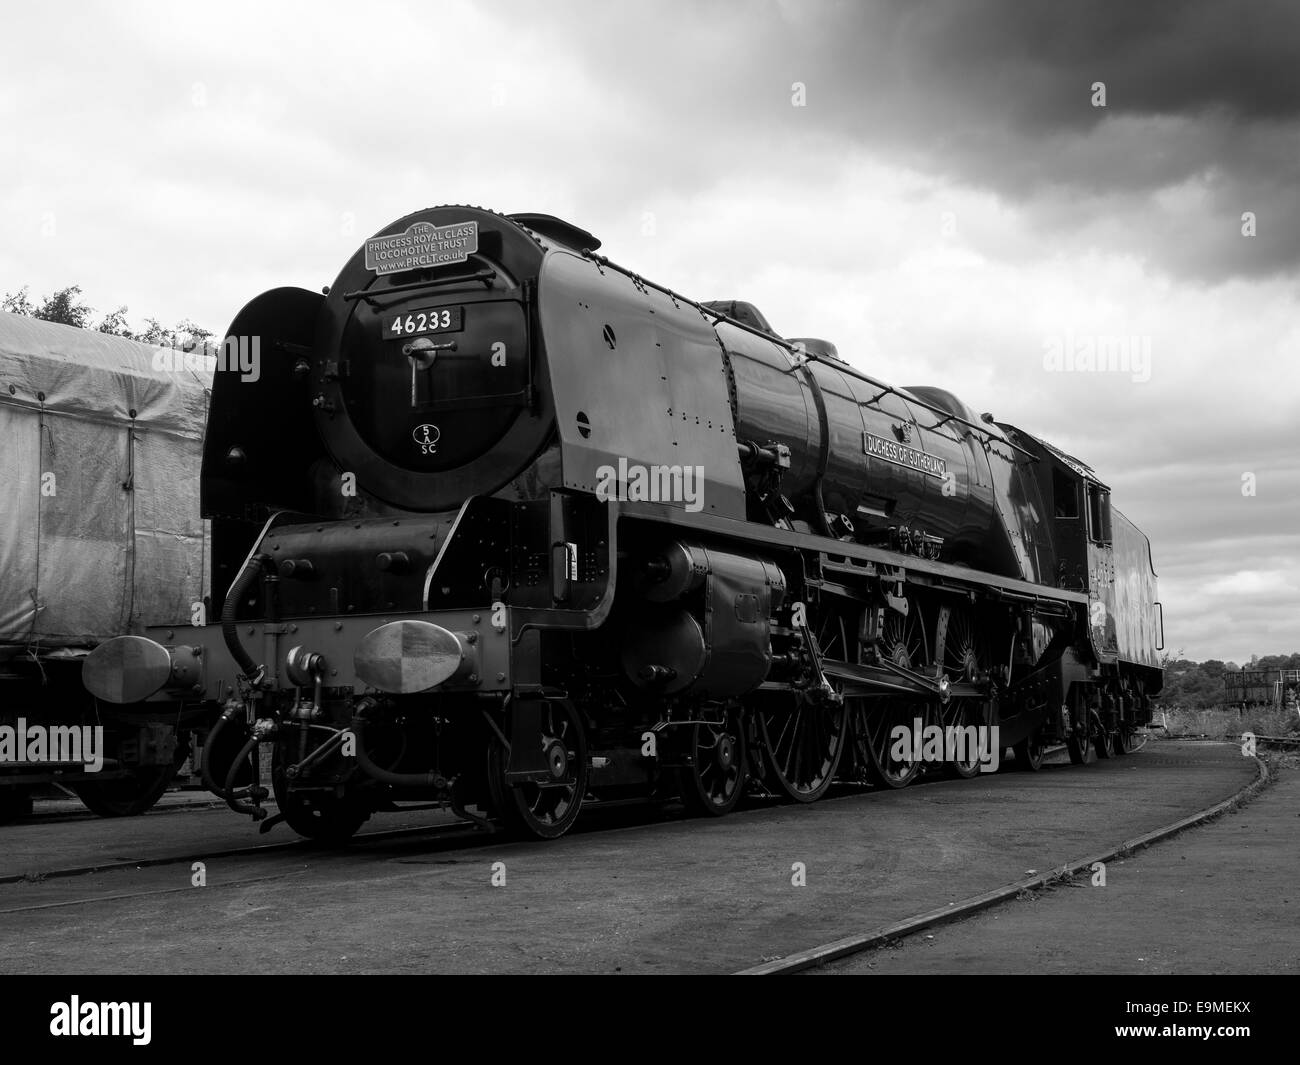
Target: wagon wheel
column 715, row 779
column 803, row 733
column 547, row 809
column 960, row 649
column 128, row 796
column 890, row 764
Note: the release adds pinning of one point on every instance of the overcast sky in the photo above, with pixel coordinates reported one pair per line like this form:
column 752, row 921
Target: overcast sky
column 929, row 185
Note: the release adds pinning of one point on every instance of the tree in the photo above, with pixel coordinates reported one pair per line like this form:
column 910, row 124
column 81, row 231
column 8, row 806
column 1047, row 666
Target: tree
column 1275, row 662
column 65, row 306
column 17, row 302
column 155, row 333
column 114, row 324
column 191, row 336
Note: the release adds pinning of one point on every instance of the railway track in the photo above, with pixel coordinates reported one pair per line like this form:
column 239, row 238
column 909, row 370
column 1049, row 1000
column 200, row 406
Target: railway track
column 855, row 944
column 456, row 830
column 305, row 846
column 40, row 816
column 408, row 866
column 444, row 837
column 459, row 835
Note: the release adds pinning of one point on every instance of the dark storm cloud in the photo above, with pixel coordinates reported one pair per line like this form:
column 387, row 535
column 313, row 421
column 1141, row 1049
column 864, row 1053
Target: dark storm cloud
column 1201, row 96
column 1027, row 60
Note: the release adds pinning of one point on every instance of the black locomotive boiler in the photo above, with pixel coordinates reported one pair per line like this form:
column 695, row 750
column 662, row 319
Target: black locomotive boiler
column 504, row 526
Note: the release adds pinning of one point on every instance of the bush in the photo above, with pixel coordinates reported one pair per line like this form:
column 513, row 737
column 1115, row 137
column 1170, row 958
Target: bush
column 1225, row 724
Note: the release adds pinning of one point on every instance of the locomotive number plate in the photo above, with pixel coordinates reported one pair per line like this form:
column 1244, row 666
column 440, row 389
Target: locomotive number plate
column 429, row 320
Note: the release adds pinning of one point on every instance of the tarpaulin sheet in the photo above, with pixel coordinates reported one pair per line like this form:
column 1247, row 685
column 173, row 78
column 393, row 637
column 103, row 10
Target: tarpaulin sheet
column 100, row 446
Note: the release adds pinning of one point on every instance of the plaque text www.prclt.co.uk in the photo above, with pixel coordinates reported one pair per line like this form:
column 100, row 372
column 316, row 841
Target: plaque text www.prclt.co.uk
column 421, row 245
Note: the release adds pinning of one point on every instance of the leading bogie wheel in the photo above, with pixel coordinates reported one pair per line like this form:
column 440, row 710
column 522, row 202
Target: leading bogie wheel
column 320, row 815
column 544, row 809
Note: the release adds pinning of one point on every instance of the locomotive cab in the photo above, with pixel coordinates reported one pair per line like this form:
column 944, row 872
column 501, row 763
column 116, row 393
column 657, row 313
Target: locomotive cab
column 1082, row 534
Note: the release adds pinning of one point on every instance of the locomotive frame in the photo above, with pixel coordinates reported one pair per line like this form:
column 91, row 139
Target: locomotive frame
column 483, row 627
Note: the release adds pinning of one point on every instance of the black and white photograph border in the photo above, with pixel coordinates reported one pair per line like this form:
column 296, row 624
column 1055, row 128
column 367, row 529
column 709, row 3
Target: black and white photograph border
column 701, row 487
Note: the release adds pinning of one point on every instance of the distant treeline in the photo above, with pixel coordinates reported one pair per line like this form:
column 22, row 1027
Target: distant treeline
column 65, row 306
column 1199, row 685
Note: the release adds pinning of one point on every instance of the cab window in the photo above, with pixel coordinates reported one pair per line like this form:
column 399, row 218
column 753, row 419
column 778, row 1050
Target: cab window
column 1065, row 495
column 1098, row 514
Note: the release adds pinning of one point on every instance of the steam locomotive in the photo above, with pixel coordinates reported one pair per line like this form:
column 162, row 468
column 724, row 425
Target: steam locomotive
column 501, row 525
